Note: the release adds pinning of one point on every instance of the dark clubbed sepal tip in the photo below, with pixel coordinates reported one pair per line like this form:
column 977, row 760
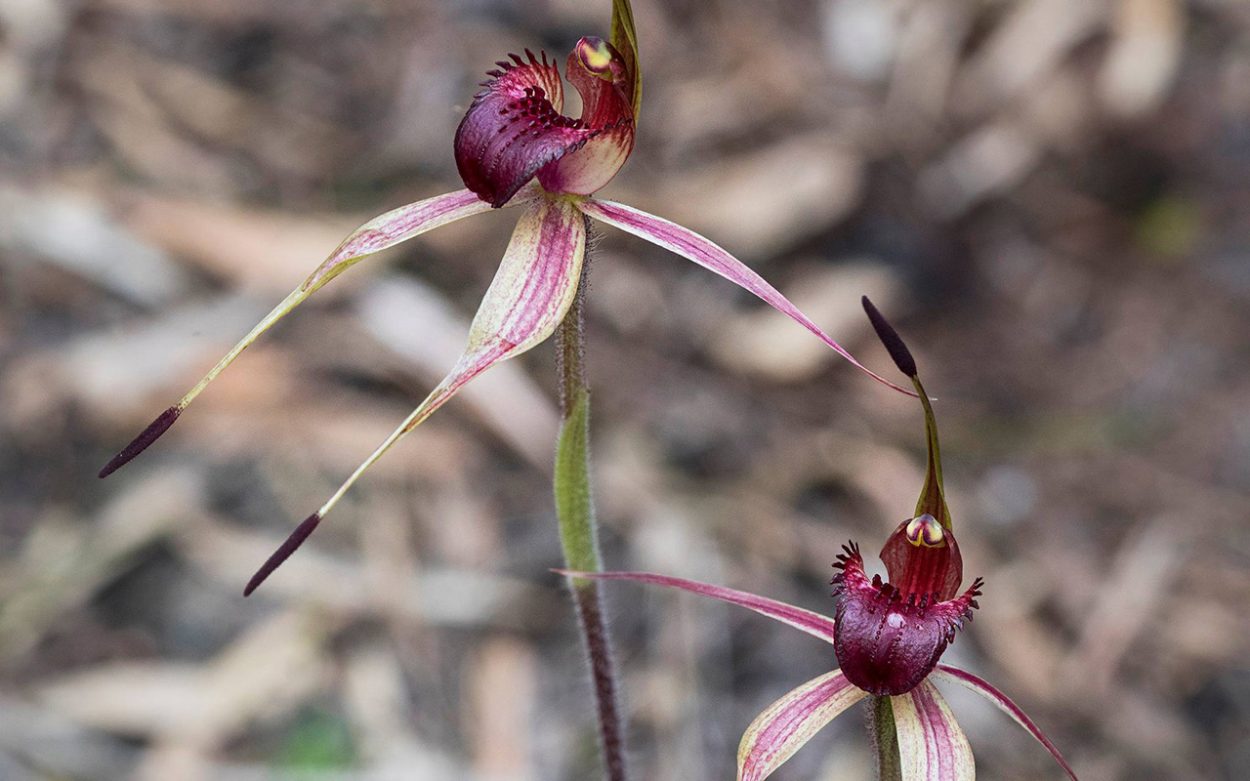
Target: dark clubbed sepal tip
column 140, row 443
column 890, row 338
column 284, row 551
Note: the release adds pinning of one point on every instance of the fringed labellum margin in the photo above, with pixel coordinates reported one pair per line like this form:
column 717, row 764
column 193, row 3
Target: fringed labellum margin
column 887, row 640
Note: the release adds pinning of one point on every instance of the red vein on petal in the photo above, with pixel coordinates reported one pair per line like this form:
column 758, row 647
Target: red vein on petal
column 714, row 258
column 1006, row 705
column 804, row 620
column 941, row 755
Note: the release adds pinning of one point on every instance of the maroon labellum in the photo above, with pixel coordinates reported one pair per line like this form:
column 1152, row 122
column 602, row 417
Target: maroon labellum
column 888, row 638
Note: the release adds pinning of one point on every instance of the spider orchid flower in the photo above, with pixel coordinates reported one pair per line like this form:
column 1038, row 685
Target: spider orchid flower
column 888, row 637
column 515, row 149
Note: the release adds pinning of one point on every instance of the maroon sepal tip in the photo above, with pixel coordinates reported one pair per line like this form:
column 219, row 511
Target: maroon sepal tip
column 284, row 551
column 140, row 443
column 890, row 338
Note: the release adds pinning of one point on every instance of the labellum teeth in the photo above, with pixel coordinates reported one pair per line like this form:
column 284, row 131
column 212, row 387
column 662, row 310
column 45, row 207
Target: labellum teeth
column 140, row 443
column 495, row 154
column 284, row 551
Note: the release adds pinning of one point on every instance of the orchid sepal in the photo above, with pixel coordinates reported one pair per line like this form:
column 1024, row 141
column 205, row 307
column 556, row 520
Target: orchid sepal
column 382, row 232
column 944, row 672
column 802, row 619
column 624, row 37
column 529, row 296
column 931, row 745
column 789, row 723
column 711, row 256
column 933, row 494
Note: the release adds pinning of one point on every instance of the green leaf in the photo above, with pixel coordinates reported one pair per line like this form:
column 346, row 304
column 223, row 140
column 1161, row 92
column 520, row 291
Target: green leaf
column 574, row 504
column 318, row 742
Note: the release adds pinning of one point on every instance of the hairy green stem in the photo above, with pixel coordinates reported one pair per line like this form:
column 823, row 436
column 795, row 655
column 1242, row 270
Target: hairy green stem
column 884, row 739
column 578, row 532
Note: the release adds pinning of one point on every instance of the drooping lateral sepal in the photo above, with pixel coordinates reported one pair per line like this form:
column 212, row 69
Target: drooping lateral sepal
column 887, row 641
column 291, row 544
column 786, row 725
column 931, row 745
column 529, row 296
column 1005, row 704
column 711, row 256
column 384, row 231
column 142, row 442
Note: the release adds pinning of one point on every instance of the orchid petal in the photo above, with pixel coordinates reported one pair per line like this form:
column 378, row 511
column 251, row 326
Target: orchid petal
column 931, row 745
column 625, row 38
column 786, row 725
column 1004, row 703
column 531, row 293
column 805, row 620
column 707, row 254
column 378, row 234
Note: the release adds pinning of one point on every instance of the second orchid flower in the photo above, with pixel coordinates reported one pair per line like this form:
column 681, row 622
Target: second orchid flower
column 888, row 638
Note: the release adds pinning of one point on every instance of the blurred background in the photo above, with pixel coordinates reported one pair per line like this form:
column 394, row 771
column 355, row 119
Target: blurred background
column 1049, row 197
